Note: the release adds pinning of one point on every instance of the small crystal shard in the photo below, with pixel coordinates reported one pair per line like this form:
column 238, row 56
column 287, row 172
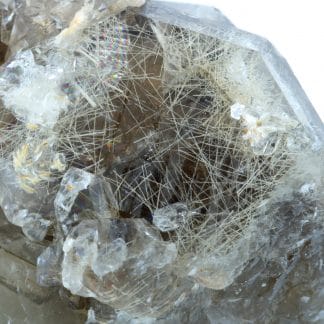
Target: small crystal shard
column 74, row 181
column 35, row 163
column 49, row 265
column 35, row 227
column 171, row 217
column 237, row 110
column 21, row 84
column 19, row 206
column 80, row 249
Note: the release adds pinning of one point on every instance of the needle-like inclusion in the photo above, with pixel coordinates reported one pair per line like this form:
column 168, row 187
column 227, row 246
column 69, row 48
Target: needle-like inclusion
column 162, row 165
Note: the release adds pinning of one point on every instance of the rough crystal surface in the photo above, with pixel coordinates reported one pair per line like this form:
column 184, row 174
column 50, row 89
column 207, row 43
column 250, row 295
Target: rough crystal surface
column 158, row 165
column 171, row 217
column 49, row 265
column 21, row 84
column 110, row 257
column 73, row 182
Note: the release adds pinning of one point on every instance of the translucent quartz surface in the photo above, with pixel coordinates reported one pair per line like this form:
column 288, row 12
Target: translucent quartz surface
column 158, row 165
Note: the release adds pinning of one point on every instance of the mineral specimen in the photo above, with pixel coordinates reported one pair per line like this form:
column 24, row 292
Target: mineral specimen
column 158, row 165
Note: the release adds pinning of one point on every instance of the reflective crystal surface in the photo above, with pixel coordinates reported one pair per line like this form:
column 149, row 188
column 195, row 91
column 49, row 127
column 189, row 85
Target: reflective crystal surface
column 157, row 165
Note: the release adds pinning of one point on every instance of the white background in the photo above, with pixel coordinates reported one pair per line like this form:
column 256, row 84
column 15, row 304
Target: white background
column 296, row 29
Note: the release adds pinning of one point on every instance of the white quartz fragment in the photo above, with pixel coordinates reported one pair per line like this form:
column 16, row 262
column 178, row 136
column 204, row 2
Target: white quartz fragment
column 171, row 217
column 262, row 127
column 305, row 299
column 71, row 35
column 20, row 217
column 237, row 110
column 74, row 181
column 16, row 203
column 32, row 91
column 34, row 226
column 307, row 188
column 80, row 249
column 91, row 319
column 35, row 161
column 110, row 257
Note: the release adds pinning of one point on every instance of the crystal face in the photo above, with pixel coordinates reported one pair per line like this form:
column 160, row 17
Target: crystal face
column 158, row 165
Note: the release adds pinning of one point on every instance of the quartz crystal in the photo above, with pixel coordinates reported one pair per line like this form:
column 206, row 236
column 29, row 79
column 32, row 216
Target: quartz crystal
column 115, row 252
column 35, row 227
column 157, row 165
column 94, row 264
column 24, row 79
column 49, row 265
column 73, row 182
column 171, row 217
